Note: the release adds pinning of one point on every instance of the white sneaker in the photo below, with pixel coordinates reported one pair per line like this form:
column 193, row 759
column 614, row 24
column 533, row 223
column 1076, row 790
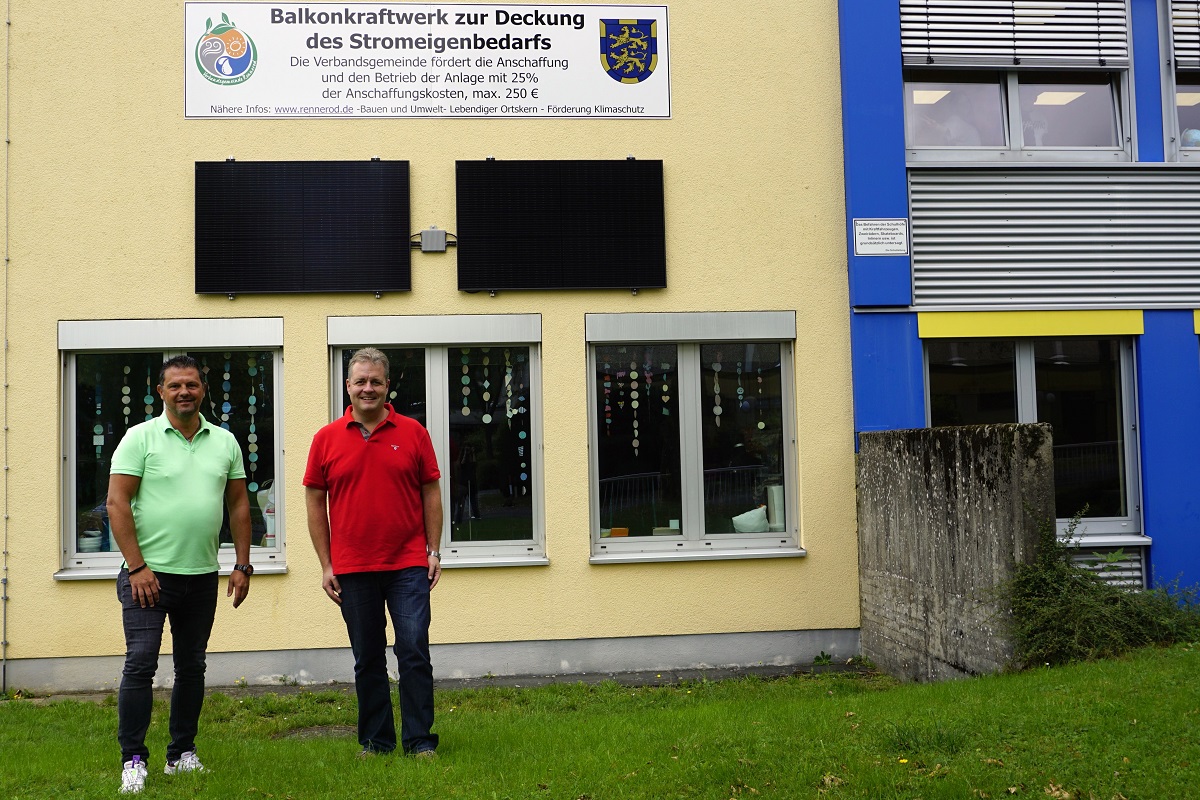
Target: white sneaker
column 188, row 762
column 133, row 776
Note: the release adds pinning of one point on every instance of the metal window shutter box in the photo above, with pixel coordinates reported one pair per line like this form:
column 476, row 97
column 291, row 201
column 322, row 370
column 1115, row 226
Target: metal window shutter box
column 1007, row 33
column 1058, row 237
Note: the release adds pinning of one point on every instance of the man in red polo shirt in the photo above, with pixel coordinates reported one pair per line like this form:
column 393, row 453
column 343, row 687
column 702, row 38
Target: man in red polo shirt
column 375, row 518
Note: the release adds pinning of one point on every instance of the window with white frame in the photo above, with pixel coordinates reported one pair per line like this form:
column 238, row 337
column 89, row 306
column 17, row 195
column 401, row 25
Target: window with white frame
column 111, row 371
column 989, row 82
column 1183, row 119
column 1082, row 386
column 692, row 443
column 474, row 383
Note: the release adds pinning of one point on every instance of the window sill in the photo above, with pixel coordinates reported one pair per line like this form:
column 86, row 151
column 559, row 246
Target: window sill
column 696, row 555
column 1108, row 540
column 110, row 573
column 992, row 157
column 469, row 562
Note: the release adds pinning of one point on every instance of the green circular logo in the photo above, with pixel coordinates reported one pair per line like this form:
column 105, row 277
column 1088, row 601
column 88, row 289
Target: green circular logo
column 224, row 54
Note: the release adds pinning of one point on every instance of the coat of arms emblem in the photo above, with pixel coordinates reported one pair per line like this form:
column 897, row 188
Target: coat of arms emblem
column 629, row 48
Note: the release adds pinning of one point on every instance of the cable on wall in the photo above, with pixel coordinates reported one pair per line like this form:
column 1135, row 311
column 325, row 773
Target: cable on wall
column 4, row 547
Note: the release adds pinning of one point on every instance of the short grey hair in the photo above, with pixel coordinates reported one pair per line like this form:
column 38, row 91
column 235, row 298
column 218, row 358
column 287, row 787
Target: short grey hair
column 369, row 355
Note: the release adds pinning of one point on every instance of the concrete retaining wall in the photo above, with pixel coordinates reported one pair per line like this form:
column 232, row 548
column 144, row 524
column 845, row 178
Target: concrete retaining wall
column 944, row 515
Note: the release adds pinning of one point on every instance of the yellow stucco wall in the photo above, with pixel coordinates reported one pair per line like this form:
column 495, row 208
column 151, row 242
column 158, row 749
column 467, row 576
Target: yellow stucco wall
column 101, row 227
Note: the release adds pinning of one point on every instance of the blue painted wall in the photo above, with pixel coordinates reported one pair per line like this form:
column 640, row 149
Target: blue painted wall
column 889, row 382
column 1147, row 80
column 1169, row 402
column 1168, row 355
column 873, row 139
column 885, row 350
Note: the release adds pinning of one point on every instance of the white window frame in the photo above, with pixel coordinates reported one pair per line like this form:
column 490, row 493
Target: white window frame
column 437, row 335
column 1016, row 152
column 1174, row 151
column 1095, row 531
column 171, row 337
column 688, row 331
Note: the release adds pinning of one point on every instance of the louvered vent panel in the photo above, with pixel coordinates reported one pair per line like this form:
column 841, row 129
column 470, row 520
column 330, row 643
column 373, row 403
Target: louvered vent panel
column 1062, row 237
column 1117, row 565
column 1005, row 33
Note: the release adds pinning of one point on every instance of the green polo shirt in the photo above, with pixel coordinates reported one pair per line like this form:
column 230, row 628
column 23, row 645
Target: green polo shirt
column 179, row 506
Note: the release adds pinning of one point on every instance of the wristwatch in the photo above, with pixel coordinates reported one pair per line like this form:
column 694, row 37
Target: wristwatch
column 246, row 568
column 435, row 554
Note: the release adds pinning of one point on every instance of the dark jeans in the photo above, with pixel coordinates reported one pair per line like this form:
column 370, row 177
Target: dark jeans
column 405, row 594
column 190, row 603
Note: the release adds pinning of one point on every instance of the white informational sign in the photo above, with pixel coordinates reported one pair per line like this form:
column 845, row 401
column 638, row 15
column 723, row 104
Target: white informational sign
column 881, row 237
column 344, row 60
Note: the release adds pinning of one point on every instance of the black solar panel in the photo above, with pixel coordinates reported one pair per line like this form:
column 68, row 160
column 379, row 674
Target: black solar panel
column 302, row 226
column 560, row 225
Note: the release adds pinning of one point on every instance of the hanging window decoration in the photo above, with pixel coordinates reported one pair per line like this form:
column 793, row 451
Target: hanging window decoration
column 621, row 386
column 608, row 417
column 126, row 394
column 523, row 433
column 487, row 386
column 98, row 438
column 648, row 377
column 489, row 460
column 466, row 381
column 633, row 403
column 508, row 388
column 149, row 398
column 238, row 390
column 742, row 446
column 100, row 424
column 717, row 410
column 226, row 385
column 239, row 385
column 252, row 410
column 761, row 424
column 665, row 388
column 638, row 456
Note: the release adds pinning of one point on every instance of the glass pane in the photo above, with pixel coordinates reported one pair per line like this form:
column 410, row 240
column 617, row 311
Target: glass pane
column 741, row 409
column 637, row 409
column 952, row 109
column 1075, row 110
column 971, row 382
column 1187, row 105
column 407, row 376
column 491, row 452
column 113, row 392
column 1079, row 393
column 241, row 399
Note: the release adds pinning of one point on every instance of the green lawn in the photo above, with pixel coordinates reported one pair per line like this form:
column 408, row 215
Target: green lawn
column 1127, row 728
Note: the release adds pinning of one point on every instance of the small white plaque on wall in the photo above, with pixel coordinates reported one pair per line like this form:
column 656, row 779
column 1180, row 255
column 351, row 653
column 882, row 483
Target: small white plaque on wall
column 881, row 237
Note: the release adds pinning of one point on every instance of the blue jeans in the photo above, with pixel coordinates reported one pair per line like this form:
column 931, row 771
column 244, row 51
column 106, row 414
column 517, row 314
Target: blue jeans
column 190, row 603
column 405, row 595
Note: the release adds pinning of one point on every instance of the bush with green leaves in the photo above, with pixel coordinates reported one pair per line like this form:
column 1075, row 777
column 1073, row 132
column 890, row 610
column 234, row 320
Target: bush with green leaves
column 1063, row 612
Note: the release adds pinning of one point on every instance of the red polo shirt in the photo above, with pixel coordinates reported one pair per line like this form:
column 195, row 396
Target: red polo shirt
column 376, row 516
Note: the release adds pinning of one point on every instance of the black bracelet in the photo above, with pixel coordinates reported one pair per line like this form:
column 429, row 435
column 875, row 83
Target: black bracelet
column 136, row 570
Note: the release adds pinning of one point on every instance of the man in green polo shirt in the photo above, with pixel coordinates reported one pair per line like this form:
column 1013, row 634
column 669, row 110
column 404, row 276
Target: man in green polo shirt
column 169, row 480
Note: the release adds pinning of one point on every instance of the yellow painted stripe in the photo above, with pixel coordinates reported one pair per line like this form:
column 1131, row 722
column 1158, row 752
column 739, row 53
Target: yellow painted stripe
column 976, row 324
column 1196, row 315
